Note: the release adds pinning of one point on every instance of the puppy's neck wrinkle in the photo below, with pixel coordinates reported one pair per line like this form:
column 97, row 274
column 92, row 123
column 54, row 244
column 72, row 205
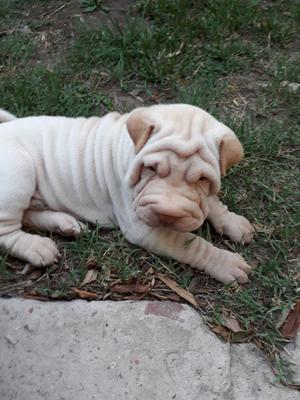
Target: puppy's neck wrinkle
column 117, row 151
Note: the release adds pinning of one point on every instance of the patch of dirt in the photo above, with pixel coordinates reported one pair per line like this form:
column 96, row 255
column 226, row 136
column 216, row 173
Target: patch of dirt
column 138, row 97
column 63, row 15
column 242, row 93
column 53, row 24
column 249, row 95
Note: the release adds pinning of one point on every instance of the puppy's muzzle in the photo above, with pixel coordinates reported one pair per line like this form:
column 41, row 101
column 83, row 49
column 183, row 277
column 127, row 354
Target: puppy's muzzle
column 167, row 219
column 179, row 213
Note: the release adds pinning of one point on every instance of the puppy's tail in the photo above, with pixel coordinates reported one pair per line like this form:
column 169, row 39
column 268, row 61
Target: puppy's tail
column 5, row 116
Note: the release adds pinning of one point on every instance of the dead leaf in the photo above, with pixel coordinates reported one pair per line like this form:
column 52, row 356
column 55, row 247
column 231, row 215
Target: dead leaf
column 150, row 271
column 35, row 274
column 230, row 321
column 155, row 98
column 254, row 262
column 242, row 336
column 90, row 276
column 83, row 294
column 91, row 263
column 234, row 337
column 35, row 296
column 177, row 289
column 159, row 296
column 197, row 285
column 173, row 297
column 131, row 288
column 220, row 330
column 235, row 102
column 282, row 318
column 290, row 327
column 135, row 94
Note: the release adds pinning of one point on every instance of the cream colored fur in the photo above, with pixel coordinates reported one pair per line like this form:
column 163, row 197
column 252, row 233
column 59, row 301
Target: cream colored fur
column 6, row 116
column 154, row 172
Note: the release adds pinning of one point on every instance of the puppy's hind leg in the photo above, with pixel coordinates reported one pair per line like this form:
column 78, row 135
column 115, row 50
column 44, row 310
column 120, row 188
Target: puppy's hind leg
column 17, row 185
column 53, row 221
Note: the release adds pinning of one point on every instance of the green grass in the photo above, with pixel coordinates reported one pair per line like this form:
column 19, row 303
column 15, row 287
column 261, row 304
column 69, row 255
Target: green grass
column 65, row 95
column 135, row 51
column 229, row 57
column 15, row 48
column 92, row 5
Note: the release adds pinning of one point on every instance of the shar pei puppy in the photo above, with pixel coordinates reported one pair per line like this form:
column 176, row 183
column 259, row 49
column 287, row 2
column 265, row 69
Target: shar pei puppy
column 154, row 172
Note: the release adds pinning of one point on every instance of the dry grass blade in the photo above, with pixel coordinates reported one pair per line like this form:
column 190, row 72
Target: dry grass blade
column 177, row 289
column 46, row 16
column 26, row 269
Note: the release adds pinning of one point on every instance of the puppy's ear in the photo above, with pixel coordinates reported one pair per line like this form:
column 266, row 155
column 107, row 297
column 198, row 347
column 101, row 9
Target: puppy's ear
column 139, row 128
column 231, row 152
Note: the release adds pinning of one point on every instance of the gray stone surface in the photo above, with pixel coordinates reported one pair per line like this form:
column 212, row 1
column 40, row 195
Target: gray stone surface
column 107, row 350
column 252, row 377
column 293, row 355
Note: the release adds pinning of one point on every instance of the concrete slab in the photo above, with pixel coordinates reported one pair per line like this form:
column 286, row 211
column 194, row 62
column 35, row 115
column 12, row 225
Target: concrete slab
column 293, row 355
column 252, row 377
column 122, row 350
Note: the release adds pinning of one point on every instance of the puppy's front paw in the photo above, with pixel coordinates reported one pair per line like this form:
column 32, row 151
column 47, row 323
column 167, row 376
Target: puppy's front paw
column 228, row 267
column 236, row 227
column 41, row 251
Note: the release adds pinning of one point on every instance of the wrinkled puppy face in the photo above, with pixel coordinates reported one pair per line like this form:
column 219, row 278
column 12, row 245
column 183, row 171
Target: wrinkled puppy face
column 170, row 193
column 181, row 152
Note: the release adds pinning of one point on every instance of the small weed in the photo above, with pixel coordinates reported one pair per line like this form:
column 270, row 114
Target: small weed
column 92, row 5
column 8, row 8
column 16, row 48
column 284, row 369
column 43, row 91
column 4, row 271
